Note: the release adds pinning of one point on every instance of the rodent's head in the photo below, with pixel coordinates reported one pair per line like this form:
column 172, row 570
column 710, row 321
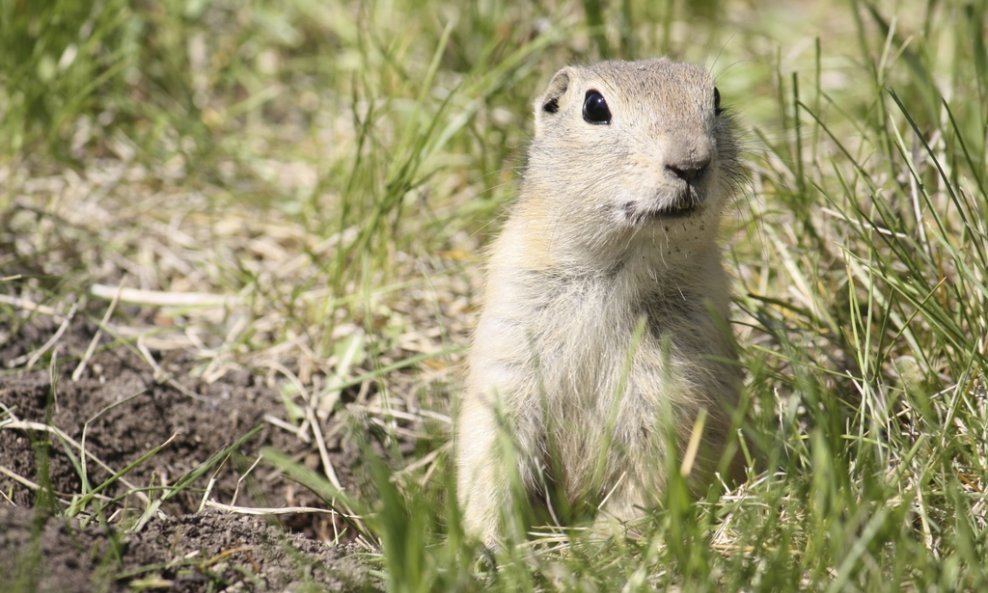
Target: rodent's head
column 642, row 147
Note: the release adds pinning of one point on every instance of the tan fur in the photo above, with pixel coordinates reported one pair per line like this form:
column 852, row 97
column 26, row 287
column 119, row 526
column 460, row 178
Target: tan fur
column 586, row 260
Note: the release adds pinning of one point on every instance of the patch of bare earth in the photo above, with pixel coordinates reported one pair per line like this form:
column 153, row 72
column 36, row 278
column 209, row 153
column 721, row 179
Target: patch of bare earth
column 130, row 534
column 199, row 552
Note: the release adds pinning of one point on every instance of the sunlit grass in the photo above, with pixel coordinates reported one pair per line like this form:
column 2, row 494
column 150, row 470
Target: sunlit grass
column 334, row 170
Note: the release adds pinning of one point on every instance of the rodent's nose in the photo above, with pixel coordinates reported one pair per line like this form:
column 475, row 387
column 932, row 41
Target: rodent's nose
column 689, row 170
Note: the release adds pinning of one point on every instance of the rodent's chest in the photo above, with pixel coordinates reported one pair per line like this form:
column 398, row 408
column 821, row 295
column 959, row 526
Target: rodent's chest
column 595, row 341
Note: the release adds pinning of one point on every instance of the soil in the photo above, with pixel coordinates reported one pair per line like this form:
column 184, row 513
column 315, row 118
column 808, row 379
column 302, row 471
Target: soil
column 187, row 553
column 118, row 411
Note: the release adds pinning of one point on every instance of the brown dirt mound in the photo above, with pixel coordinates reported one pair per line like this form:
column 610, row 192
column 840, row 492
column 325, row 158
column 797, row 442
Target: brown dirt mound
column 124, row 413
column 204, row 552
column 118, row 411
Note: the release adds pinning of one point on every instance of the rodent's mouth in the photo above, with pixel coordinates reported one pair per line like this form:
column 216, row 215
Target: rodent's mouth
column 676, row 211
column 686, row 205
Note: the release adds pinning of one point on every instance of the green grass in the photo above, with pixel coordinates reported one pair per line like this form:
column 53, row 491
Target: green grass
column 336, row 168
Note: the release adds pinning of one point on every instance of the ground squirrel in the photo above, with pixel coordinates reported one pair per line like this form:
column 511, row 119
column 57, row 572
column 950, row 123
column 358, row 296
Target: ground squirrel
column 604, row 321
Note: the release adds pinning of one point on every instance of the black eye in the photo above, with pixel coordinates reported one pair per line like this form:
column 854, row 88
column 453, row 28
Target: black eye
column 717, row 109
column 595, row 109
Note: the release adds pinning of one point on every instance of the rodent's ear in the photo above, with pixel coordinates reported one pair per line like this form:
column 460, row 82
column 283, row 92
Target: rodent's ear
column 548, row 103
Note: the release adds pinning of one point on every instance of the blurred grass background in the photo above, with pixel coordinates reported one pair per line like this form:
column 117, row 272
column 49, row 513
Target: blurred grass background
column 331, row 171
